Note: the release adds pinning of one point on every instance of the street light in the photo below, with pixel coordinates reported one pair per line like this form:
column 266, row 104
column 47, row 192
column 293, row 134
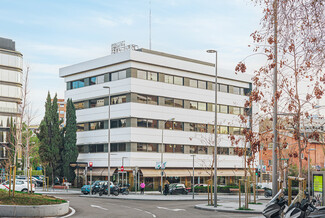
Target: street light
column 310, row 149
column 123, row 170
column 162, row 154
column 193, row 155
column 215, row 127
column 109, row 142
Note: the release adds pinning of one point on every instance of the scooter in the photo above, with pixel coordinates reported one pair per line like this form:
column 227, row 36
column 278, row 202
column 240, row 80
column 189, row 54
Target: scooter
column 124, row 190
column 104, row 190
column 275, row 207
column 95, row 189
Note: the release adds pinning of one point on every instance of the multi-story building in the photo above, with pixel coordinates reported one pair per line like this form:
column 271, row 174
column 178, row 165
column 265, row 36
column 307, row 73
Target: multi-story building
column 61, row 110
column 11, row 64
column 156, row 98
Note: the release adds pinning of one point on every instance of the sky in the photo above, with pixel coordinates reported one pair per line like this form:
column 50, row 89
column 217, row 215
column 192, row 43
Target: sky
column 54, row 34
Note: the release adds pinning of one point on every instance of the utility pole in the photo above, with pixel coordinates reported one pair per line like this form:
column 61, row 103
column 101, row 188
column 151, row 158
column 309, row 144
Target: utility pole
column 275, row 106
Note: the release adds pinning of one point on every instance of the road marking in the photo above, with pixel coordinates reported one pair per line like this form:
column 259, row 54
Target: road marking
column 99, row 207
column 73, row 211
column 175, row 210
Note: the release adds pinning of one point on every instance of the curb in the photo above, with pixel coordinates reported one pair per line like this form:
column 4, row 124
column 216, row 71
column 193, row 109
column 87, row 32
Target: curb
column 140, row 199
column 227, row 210
column 34, row 210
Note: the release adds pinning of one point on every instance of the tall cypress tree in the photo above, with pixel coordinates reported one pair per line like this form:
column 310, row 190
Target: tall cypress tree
column 70, row 151
column 49, row 136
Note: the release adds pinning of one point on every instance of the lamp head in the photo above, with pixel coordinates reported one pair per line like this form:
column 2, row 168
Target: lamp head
column 106, row 87
column 211, row 51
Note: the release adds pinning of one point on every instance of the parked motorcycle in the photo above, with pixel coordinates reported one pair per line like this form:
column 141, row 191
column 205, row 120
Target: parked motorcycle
column 95, row 189
column 267, row 192
column 104, row 190
column 124, row 190
column 276, row 206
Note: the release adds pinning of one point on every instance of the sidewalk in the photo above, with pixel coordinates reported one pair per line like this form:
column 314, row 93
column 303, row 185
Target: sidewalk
column 232, row 207
column 71, row 191
column 152, row 197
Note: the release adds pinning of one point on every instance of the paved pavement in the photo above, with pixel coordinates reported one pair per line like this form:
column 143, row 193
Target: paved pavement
column 104, row 207
column 233, row 207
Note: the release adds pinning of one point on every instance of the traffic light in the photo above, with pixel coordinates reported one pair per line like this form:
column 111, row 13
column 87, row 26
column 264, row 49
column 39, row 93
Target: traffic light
column 90, row 165
column 259, row 173
column 256, row 172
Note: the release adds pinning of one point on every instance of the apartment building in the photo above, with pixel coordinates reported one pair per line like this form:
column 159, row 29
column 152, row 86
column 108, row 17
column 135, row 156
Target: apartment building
column 159, row 103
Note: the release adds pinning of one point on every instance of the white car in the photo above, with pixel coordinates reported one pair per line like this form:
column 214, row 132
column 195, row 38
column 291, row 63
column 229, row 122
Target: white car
column 21, row 185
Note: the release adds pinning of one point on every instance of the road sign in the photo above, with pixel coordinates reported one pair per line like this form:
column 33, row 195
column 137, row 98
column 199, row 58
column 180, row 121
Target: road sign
column 122, row 168
column 160, row 166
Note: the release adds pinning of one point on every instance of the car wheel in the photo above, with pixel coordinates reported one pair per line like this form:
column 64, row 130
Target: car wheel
column 24, row 190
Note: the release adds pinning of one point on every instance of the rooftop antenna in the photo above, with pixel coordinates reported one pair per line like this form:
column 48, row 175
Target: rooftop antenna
column 149, row 24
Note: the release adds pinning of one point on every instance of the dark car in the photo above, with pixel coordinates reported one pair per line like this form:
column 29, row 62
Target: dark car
column 177, row 189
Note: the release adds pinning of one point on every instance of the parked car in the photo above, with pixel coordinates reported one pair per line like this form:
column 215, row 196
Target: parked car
column 21, row 185
column 34, row 180
column 177, row 188
column 86, row 188
column 189, row 189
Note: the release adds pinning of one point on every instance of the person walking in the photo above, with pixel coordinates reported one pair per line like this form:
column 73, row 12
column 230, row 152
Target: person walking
column 142, row 186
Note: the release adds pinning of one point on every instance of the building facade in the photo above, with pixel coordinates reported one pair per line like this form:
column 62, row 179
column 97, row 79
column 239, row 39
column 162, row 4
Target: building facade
column 11, row 70
column 160, row 103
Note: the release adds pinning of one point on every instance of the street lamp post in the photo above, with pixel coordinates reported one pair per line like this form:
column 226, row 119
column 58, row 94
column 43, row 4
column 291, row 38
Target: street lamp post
column 215, row 127
column 123, row 170
column 193, row 155
column 162, row 154
column 109, row 142
column 310, row 149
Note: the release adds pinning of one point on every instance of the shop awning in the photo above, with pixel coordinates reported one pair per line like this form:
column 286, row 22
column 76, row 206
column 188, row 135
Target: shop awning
column 188, row 172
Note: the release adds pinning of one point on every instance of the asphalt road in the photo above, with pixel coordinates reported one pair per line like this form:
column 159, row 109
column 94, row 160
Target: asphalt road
column 98, row 207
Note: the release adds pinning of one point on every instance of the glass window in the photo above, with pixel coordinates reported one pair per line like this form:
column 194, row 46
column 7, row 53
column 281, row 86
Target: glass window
column 141, row 74
column 121, row 147
column 178, row 103
column 80, row 127
column 152, row 100
column 178, row 125
column 202, row 106
column 152, row 76
column 193, row 105
column 152, row 148
column 92, row 148
column 114, row 124
column 223, row 88
column 118, row 99
column 202, row 150
column 152, row 123
column 201, row 127
column 141, row 122
column 96, row 103
column 223, row 129
column 223, row 109
column 169, row 125
column 169, row 79
column 79, row 105
column 122, row 123
column 61, row 112
column 178, row 80
column 92, row 81
column 169, row 148
column 202, row 84
column 141, row 99
column 114, row 76
column 169, row 102
column 223, row 151
column 236, row 90
column 193, row 83
column 141, row 147
column 236, row 130
column 234, row 110
column 122, row 74
column 100, row 148
column 192, row 127
column 100, row 79
column 179, row 149
column 193, row 149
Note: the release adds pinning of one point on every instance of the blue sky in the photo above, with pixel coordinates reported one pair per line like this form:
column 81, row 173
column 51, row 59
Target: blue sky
column 53, row 34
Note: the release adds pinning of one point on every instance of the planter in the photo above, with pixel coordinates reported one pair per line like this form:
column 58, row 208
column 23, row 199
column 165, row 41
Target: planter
column 34, row 210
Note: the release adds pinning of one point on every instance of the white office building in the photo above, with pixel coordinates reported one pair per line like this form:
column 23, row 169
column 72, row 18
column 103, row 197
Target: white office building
column 156, row 97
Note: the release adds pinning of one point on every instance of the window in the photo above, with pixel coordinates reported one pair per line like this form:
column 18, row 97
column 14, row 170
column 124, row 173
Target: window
column 141, row 122
column 193, row 105
column 223, row 129
column 61, row 112
column 178, row 148
column 235, row 130
column 141, row 74
column 169, row 148
column 201, row 127
column 178, row 80
column 193, row 83
column 202, row 150
column 223, row 109
column 118, row 99
column 192, row 127
column 169, row 79
column 96, row 125
column 80, row 127
column 141, row 147
column 223, row 88
column 100, row 79
column 152, row 123
column 116, row 147
column 169, row 125
column 92, row 81
column 193, row 149
column 152, row 148
column 202, row 84
column 234, row 110
column 178, row 103
column 141, row 99
column 122, row 74
column 114, row 76
column 202, row 106
column 79, row 105
column 96, row 103
column 169, row 102
column 223, row 151
column 178, row 126
column 78, row 84
column 61, row 105
column 236, row 90
column 122, row 123
column 152, row 76
column 152, row 100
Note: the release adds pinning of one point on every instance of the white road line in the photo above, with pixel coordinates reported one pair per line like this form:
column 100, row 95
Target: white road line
column 99, row 207
column 153, row 215
column 175, row 210
column 73, row 211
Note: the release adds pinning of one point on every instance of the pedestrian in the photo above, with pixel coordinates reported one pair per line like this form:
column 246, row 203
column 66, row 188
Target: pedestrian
column 142, row 186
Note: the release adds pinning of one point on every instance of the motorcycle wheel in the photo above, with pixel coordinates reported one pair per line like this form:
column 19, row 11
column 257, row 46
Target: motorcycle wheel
column 126, row 192
column 100, row 193
column 115, row 193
